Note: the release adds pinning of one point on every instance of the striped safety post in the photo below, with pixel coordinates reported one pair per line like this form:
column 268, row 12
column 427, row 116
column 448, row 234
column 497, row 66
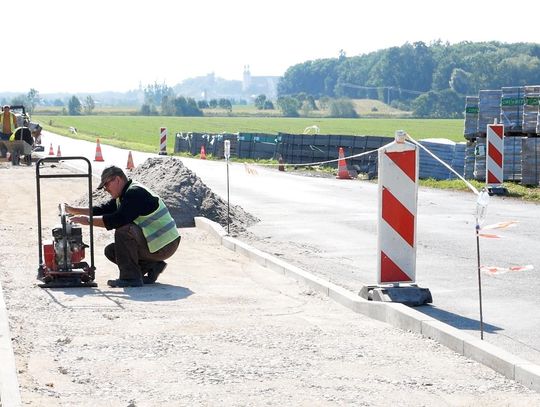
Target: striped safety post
column 163, row 141
column 398, row 196
column 494, row 156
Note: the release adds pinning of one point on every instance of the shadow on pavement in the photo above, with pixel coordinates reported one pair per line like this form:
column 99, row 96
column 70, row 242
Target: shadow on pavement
column 153, row 292
column 108, row 297
column 455, row 320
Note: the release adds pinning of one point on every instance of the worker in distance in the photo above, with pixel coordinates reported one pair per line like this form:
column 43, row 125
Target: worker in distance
column 145, row 233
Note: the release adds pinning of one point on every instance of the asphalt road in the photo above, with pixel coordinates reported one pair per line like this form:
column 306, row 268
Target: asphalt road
column 329, row 227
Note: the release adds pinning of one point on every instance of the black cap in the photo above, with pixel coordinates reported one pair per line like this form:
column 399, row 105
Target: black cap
column 110, row 172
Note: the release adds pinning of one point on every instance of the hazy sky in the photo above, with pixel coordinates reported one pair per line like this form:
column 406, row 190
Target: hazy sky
column 72, row 46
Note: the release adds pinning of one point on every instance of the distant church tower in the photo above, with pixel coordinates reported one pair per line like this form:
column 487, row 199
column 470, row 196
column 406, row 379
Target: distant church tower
column 246, row 83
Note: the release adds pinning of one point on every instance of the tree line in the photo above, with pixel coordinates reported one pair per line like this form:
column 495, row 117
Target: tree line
column 430, row 80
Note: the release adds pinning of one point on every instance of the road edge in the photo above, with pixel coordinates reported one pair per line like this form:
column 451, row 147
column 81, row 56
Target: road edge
column 9, row 385
column 397, row 315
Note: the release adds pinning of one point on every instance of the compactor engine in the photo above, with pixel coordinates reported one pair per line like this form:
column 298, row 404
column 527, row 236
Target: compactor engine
column 63, row 256
column 66, row 250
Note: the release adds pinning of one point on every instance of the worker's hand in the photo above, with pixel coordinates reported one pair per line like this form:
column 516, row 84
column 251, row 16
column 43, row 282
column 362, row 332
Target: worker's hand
column 81, row 219
column 74, row 210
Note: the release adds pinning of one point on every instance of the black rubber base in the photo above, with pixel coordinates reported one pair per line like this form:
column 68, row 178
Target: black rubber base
column 410, row 295
column 499, row 191
column 67, row 283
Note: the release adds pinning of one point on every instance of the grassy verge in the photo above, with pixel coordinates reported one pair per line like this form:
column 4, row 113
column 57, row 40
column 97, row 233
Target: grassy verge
column 515, row 190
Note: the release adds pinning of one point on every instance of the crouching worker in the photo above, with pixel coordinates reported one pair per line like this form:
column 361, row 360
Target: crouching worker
column 145, row 232
column 24, row 134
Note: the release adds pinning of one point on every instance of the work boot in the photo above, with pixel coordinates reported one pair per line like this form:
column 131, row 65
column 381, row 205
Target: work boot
column 154, row 272
column 125, row 282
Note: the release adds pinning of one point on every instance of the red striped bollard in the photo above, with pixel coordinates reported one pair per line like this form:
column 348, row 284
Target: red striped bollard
column 396, row 248
column 163, row 141
column 398, row 192
column 495, row 159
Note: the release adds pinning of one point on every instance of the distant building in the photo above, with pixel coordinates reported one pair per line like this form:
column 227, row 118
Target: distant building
column 254, row 86
column 212, row 87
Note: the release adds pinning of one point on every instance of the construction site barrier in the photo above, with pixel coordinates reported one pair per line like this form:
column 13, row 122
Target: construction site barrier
column 398, row 196
column 522, row 156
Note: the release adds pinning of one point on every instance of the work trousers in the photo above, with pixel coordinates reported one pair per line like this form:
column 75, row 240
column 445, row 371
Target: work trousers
column 3, row 147
column 130, row 252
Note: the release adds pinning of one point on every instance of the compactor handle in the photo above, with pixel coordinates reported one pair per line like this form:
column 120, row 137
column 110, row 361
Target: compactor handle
column 63, row 214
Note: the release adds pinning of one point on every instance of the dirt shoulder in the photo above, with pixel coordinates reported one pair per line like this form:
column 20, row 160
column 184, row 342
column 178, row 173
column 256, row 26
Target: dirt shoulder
column 216, row 330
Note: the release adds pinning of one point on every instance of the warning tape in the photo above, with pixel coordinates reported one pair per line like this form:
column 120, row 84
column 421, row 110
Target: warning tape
column 471, row 186
column 313, row 163
column 489, row 235
column 494, row 270
column 500, row 225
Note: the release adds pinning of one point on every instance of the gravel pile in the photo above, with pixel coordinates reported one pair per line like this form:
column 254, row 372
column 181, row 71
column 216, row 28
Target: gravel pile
column 185, row 194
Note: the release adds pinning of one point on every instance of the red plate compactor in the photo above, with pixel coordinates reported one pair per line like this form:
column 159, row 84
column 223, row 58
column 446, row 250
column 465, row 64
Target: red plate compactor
column 61, row 259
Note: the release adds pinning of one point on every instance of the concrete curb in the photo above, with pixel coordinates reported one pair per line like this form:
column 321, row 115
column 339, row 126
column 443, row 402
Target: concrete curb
column 398, row 315
column 9, row 385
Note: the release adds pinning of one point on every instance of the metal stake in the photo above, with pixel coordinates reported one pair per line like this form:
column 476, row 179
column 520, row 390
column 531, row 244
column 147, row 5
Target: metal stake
column 227, row 151
column 479, row 281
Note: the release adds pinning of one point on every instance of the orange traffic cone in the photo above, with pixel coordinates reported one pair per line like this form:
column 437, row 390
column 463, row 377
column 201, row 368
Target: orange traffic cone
column 51, row 150
column 203, row 153
column 58, row 153
column 343, row 172
column 99, row 156
column 130, row 165
column 281, row 167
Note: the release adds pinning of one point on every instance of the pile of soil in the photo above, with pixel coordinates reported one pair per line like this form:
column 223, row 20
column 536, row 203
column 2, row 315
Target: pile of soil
column 185, row 194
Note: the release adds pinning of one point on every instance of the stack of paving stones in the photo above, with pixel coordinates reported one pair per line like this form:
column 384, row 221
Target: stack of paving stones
column 480, row 159
column 468, row 171
column 471, row 117
column 512, row 159
column 431, row 168
column 518, row 109
column 458, row 161
column 489, row 108
column 512, row 99
column 530, row 164
column 530, row 109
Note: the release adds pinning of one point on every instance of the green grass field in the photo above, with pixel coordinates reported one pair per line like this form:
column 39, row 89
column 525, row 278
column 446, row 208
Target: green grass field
column 142, row 132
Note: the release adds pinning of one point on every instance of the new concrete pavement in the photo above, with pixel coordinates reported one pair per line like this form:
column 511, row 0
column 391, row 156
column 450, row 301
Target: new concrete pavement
column 519, row 369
